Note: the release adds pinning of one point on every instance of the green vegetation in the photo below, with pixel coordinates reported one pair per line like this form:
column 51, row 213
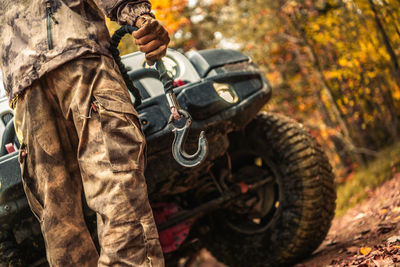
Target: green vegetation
column 353, row 191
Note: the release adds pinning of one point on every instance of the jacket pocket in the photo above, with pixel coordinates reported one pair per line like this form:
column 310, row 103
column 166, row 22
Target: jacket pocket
column 36, row 207
column 122, row 134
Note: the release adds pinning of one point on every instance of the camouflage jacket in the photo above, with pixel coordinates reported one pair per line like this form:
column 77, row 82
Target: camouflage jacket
column 37, row 36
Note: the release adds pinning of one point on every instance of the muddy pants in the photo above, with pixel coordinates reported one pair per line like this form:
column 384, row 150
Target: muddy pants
column 79, row 131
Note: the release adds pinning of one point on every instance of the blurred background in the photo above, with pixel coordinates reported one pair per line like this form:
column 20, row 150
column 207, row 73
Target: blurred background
column 333, row 65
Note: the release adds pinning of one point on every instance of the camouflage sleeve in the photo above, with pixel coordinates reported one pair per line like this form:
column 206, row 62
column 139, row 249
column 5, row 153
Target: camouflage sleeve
column 132, row 11
column 125, row 11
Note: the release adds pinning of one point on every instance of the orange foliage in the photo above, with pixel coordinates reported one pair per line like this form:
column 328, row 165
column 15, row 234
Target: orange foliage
column 169, row 12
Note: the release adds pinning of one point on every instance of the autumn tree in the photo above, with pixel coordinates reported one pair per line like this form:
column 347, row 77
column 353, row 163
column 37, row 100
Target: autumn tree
column 333, row 64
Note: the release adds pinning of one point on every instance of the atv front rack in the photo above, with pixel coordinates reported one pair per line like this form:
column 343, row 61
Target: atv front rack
column 177, row 114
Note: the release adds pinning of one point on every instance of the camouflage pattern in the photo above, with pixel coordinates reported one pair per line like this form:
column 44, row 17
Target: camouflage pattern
column 77, row 28
column 80, row 135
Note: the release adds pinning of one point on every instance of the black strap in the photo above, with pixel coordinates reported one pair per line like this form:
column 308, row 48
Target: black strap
column 114, row 42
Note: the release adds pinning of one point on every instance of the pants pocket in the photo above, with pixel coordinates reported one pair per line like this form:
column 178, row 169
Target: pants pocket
column 35, row 205
column 123, row 137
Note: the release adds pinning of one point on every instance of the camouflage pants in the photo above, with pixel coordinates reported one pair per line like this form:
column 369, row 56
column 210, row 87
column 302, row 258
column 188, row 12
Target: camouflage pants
column 79, row 131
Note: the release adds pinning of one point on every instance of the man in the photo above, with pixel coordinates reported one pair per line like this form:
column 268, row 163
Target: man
column 79, row 133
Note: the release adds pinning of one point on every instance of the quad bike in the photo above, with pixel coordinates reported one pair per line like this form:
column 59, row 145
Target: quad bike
column 262, row 196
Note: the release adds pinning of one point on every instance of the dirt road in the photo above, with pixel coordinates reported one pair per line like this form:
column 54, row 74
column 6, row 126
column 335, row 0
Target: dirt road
column 367, row 235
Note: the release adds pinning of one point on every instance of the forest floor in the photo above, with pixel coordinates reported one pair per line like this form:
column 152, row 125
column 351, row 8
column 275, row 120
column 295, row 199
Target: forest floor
column 367, row 234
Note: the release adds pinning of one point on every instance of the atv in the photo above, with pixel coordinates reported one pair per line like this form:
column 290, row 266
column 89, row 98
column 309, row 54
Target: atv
column 262, row 196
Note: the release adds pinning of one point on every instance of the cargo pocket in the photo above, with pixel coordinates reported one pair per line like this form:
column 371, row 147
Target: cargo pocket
column 122, row 134
column 36, row 207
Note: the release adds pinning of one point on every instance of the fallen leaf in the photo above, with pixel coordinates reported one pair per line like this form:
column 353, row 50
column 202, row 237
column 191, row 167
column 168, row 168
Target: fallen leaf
column 359, row 216
column 393, row 239
column 383, row 263
column 382, row 211
column 357, row 237
column 396, row 246
column 365, row 250
column 396, row 219
column 396, row 209
column 332, row 243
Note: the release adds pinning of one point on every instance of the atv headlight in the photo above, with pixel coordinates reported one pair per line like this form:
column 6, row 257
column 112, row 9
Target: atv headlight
column 226, row 92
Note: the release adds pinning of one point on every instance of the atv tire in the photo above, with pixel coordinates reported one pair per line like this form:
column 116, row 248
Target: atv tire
column 304, row 197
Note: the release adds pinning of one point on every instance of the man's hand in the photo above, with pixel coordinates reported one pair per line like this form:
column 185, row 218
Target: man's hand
column 152, row 38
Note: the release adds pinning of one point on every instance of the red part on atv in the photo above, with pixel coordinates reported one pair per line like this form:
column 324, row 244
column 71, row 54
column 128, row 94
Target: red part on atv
column 174, row 236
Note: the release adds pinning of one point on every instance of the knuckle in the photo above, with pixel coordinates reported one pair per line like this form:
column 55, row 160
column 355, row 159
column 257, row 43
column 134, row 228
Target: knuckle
column 152, row 37
column 145, row 29
column 150, row 57
column 161, row 31
column 164, row 34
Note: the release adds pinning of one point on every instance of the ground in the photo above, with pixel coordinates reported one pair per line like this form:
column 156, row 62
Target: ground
column 371, row 228
column 366, row 235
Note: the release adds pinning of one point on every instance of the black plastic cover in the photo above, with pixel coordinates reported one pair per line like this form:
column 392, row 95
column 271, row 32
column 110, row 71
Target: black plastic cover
column 206, row 60
column 10, row 175
column 153, row 119
column 204, row 103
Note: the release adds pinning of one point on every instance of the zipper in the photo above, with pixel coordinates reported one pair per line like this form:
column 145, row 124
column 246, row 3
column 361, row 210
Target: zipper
column 50, row 17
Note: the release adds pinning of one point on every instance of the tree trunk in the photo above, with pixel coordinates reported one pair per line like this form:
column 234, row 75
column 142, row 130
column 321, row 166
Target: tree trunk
column 386, row 41
column 327, row 92
column 389, row 104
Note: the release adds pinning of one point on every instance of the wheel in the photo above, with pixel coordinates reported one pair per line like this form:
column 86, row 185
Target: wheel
column 288, row 217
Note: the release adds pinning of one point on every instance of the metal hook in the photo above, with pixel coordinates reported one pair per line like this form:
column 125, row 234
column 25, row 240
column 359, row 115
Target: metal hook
column 178, row 151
